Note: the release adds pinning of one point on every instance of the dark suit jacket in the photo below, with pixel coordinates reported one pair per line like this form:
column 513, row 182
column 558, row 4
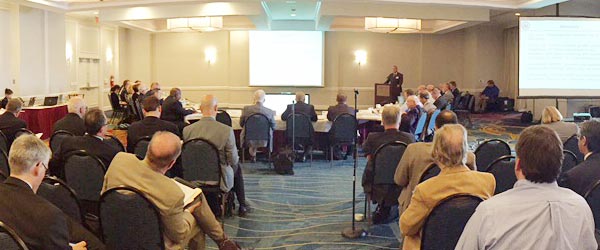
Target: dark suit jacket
column 456, row 93
column 301, row 108
column 3, row 102
column 91, row 144
column 583, row 176
column 334, row 111
column 9, row 125
column 40, row 224
column 147, row 127
column 173, row 111
column 440, row 103
column 114, row 100
column 135, row 96
column 395, row 80
column 72, row 123
column 410, row 119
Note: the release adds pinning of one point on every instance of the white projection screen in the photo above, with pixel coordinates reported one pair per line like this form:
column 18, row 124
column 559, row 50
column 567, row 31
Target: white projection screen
column 559, row 57
column 286, row 58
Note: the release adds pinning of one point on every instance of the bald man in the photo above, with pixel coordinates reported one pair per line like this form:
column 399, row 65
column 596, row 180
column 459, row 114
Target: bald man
column 395, row 79
column 222, row 137
column 73, row 121
column 172, row 109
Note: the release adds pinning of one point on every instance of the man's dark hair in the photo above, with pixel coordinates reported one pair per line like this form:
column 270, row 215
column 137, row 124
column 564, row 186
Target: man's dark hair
column 591, row 130
column 540, row 154
column 150, row 103
column 94, row 120
column 174, row 91
column 8, row 91
column 341, row 98
column 453, row 83
column 424, row 95
column 409, row 92
column 115, row 88
column 136, row 88
column 14, row 106
column 491, row 82
column 445, row 117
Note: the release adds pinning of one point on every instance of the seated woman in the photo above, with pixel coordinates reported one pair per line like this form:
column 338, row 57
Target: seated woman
column 450, row 154
column 552, row 118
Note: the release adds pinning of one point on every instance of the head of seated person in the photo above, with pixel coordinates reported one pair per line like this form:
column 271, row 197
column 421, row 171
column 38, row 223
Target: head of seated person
column 551, row 115
column 589, row 137
column 175, row 93
column 76, row 105
column 259, row 96
column 412, row 102
column 450, row 146
column 539, row 155
column 163, row 150
column 209, row 106
column 14, row 106
column 424, row 96
column 115, row 89
column 8, row 93
column 436, row 93
column 95, row 122
column 300, row 96
column 341, row 99
column 390, row 117
column 28, row 159
column 151, row 107
column 445, row 117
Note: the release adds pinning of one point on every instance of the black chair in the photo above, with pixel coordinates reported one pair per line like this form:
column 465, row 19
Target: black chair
column 445, row 223
column 342, row 132
column 113, row 141
column 257, row 127
column 223, row 117
column 431, row 171
column 23, row 131
column 118, row 112
column 3, row 176
column 202, row 166
column 9, row 240
column 84, row 173
column 4, row 168
column 138, row 107
column 129, row 220
column 592, row 196
column 569, row 161
column 571, row 144
column 299, row 129
column 62, row 196
column 503, row 170
column 3, row 142
column 385, row 161
column 463, row 109
column 57, row 138
column 489, row 151
column 141, row 146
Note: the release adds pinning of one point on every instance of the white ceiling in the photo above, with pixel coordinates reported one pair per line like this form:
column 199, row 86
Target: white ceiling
column 438, row 16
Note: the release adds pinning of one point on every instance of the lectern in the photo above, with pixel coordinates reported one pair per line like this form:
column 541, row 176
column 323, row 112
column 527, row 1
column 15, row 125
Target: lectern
column 386, row 93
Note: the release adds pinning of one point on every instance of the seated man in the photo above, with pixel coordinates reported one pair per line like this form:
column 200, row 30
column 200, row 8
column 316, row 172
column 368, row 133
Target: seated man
column 150, row 124
column 447, row 95
column 301, row 108
column 536, row 213
column 222, row 137
column 92, row 142
column 454, row 89
column 489, row 95
column 410, row 118
column 450, row 153
column 405, row 94
column 173, row 111
column 427, row 102
column 439, row 102
column 384, row 196
column 582, row 177
column 40, row 224
column 257, row 108
column 416, row 159
column 332, row 113
column 72, row 122
column 10, row 124
column 181, row 225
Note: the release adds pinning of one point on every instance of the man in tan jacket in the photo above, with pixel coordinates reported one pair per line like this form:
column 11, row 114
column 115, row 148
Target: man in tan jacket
column 417, row 158
column 181, row 225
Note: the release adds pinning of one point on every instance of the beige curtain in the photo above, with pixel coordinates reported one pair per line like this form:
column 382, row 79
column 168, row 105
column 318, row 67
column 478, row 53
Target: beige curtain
column 511, row 60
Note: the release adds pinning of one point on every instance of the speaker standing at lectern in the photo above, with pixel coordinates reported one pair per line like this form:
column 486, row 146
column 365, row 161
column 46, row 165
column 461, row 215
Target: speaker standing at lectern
column 395, row 79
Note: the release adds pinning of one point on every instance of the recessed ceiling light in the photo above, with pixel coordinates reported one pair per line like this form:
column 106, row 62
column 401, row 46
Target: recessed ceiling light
column 517, row 14
column 293, row 14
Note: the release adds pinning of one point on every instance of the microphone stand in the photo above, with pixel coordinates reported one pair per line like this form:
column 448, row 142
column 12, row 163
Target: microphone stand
column 353, row 232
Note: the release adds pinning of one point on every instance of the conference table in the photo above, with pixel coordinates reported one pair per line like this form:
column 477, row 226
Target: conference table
column 41, row 119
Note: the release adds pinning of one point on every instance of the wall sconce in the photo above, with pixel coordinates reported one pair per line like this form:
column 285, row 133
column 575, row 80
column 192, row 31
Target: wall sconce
column 210, row 55
column 69, row 52
column 109, row 55
column 360, row 57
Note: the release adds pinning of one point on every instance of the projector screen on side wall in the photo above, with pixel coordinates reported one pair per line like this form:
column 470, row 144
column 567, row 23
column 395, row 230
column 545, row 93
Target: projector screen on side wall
column 286, row 58
column 559, row 57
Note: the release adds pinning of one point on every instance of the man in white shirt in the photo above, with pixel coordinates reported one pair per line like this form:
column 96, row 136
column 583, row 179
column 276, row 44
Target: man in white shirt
column 536, row 213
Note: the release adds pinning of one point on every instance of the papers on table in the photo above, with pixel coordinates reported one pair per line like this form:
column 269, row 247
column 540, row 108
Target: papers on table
column 190, row 194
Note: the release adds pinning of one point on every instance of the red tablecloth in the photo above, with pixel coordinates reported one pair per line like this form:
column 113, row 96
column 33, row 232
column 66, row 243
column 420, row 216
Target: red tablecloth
column 41, row 119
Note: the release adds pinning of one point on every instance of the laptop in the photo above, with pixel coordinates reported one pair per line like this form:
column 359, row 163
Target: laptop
column 50, row 100
column 30, row 103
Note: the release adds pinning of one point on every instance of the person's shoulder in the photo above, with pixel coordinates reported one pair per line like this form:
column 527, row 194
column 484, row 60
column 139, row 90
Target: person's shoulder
column 123, row 159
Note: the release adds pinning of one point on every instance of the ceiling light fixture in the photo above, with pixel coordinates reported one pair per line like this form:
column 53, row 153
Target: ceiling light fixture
column 392, row 25
column 203, row 24
column 517, row 14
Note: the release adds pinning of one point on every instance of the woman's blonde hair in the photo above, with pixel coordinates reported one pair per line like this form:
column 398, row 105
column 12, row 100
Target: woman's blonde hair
column 450, row 146
column 550, row 115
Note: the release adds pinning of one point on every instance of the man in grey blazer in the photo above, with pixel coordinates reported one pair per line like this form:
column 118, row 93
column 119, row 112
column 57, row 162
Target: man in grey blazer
column 257, row 108
column 332, row 113
column 417, row 157
column 222, row 137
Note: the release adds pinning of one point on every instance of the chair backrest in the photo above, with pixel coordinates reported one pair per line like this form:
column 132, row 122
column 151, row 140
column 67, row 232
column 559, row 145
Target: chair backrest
column 57, row 138
column 503, row 170
column 302, row 127
column 569, row 162
column 385, row 161
column 140, row 147
column 489, row 151
column 257, row 127
column 456, row 102
column 223, row 117
column 421, row 125
column 592, row 196
column 4, row 168
column 201, row 163
column 431, row 124
column 23, row 131
column 571, row 144
column 113, row 105
column 85, row 174
column 139, row 108
column 431, row 171
column 129, row 220
column 343, row 129
column 3, row 142
column 3, row 176
column 113, row 141
column 62, row 196
column 446, row 222
column 9, row 240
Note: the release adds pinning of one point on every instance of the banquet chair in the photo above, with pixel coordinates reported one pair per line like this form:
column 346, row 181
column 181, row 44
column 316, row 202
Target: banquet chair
column 300, row 130
column 141, row 147
column 592, row 196
column 9, row 240
column 129, row 220
column 3, row 142
column 84, row 173
column 63, row 197
column 4, row 168
column 23, row 131
column 223, row 117
column 489, row 151
column 569, row 161
column 342, row 132
column 116, row 143
column 431, row 171
column 257, row 127
column 445, row 223
column 571, row 144
column 57, row 138
column 421, row 124
column 503, row 170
